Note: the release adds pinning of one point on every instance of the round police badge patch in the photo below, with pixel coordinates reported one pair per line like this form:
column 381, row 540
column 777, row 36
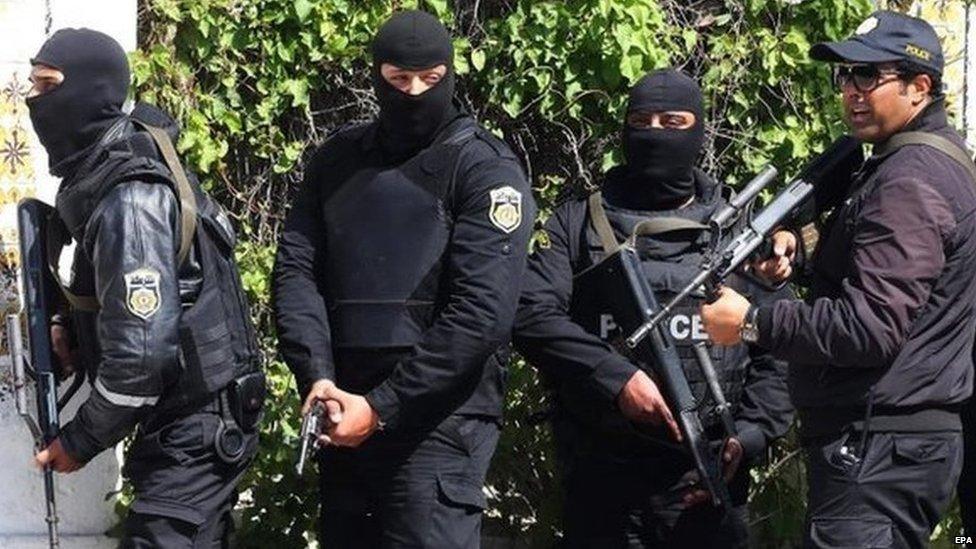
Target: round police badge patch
column 142, row 292
column 867, row 26
column 506, row 208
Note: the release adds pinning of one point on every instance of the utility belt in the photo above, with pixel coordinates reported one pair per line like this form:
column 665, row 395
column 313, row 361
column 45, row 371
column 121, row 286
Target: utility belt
column 815, row 423
column 240, row 406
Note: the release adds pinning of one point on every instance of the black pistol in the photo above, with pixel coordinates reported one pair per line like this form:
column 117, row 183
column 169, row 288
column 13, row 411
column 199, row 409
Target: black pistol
column 312, row 424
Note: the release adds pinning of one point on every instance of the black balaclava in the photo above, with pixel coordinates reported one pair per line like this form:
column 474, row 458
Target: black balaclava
column 413, row 40
column 70, row 118
column 660, row 161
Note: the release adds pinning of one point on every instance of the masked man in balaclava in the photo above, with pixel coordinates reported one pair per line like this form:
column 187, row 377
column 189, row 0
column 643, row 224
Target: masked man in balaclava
column 154, row 303
column 395, row 286
column 625, row 479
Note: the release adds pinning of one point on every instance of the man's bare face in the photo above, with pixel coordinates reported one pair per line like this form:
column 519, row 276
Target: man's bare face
column 879, row 113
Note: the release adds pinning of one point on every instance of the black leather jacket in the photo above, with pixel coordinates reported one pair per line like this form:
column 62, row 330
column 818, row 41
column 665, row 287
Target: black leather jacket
column 125, row 229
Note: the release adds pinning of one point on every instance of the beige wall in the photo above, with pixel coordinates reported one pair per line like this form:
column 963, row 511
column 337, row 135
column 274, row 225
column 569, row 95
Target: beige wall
column 85, row 511
column 949, row 18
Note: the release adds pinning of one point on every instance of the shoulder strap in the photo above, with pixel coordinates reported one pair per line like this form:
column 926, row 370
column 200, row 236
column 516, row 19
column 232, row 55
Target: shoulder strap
column 661, row 225
column 460, row 137
column 454, row 145
column 188, row 201
column 937, row 142
column 647, row 227
column 602, row 225
column 54, row 242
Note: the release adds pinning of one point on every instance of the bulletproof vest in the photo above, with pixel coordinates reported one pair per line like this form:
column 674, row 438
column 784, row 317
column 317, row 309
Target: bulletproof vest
column 671, row 253
column 217, row 338
column 387, row 232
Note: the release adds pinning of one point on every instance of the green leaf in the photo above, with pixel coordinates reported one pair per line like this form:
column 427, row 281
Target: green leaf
column 439, row 8
column 303, row 8
column 478, row 59
column 690, row 37
column 169, row 8
column 298, row 89
column 632, row 67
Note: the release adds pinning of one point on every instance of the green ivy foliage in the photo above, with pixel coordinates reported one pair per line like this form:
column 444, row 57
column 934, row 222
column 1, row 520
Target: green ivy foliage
column 258, row 83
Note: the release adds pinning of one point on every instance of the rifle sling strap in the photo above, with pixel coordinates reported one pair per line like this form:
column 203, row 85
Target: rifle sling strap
column 647, row 227
column 188, row 201
column 937, row 142
column 54, row 241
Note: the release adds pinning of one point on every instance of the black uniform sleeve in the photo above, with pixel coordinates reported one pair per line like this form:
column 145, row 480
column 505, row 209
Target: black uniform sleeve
column 765, row 410
column 897, row 254
column 483, row 267
column 133, row 240
column 301, row 318
column 544, row 332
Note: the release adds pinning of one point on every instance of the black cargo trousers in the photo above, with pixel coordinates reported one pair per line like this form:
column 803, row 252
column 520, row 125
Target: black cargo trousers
column 624, row 494
column 889, row 489
column 184, row 491
column 625, row 504
column 408, row 489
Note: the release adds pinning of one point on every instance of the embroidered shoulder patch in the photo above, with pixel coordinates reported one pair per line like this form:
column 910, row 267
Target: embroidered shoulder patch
column 506, row 208
column 142, row 292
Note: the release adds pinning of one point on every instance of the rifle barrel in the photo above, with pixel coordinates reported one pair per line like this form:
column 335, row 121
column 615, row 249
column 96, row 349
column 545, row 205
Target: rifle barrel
column 748, row 193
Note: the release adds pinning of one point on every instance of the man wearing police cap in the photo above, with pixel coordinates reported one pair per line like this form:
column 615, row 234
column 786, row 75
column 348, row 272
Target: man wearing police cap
column 396, row 282
column 881, row 353
column 157, row 308
column 626, row 480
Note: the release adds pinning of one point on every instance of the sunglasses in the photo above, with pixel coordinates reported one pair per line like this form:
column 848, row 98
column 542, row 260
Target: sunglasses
column 865, row 78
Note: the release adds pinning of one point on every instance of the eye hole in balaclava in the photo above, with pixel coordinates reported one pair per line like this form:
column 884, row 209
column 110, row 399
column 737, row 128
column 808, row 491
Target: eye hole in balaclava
column 413, row 40
column 660, row 161
column 71, row 117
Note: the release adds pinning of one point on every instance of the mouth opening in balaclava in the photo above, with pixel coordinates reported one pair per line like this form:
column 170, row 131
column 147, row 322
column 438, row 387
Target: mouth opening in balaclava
column 413, row 40
column 70, row 118
column 661, row 161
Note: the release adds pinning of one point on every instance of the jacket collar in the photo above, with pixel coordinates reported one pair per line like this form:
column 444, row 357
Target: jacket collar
column 370, row 140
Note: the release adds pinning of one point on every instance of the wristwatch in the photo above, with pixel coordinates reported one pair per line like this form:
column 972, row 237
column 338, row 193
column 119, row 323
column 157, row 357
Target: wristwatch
column 749, row 332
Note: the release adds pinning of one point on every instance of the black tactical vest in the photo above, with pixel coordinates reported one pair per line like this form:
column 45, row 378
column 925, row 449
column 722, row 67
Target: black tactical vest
column 217, row 338
column 670, row 259
column 388, row 229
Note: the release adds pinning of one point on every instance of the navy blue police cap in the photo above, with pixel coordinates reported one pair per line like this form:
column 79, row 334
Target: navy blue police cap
column 883, row 37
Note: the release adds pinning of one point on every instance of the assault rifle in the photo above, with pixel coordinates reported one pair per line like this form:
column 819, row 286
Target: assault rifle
column 630, row 299
column 820, row 187
column 37, row 293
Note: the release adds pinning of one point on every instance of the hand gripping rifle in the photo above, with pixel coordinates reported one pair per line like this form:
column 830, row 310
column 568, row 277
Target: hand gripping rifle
column 821, row 186
column 37, row 294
